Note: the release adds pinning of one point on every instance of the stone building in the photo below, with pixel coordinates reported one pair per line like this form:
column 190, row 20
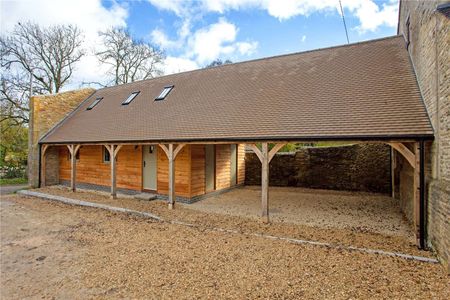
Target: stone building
column 387, row 69
column 426, row 28
column 47, row 111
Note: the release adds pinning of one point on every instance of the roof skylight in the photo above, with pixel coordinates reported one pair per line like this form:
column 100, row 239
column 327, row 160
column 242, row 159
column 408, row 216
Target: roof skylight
column 130, row 98
column 164, row 92
column 94, row 103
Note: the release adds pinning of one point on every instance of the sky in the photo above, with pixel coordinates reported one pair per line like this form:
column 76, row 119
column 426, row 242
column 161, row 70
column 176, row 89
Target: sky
column 193, row 33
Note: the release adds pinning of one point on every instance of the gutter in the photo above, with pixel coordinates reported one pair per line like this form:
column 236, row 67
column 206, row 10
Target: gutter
column 273, row 139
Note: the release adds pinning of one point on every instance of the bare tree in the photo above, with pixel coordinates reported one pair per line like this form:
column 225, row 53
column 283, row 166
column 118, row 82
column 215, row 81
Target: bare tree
column 47, row 54
column 218, row 62
column 130, row 59
column 35, row 60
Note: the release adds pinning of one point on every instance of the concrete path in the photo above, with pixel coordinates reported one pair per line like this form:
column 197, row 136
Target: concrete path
column 10, row 189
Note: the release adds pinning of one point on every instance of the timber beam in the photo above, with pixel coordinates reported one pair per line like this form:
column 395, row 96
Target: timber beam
column 43, row 164
column 73, row 150
column 415, row 160
column 265, row 156
column 113, row 151
column 171, row 154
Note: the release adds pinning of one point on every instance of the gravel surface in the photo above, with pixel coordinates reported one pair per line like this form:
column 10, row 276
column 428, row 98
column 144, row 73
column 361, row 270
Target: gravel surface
column 357, row 236
column 319, row 208
column 52, row 250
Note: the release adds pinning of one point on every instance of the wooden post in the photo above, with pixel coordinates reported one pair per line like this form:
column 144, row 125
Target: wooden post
column 265, row 157
column 43, row 165
column 392, row 172
column 417, row 192
column 73, row 149
column 113, row 152
column 171, row 178
column 265, row 183
column 171, row 156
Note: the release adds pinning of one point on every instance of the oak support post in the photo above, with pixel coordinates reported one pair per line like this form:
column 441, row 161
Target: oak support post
column 171, row 154
column 265, row 183
column 113, row 152
column 171, row 178
column 392, row 172
column 43, row 165
column 417, row 191
column 73, row 149
column 265, row 156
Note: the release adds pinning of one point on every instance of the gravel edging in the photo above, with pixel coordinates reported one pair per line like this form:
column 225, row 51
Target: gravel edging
column 272, row 237
column 88, row 204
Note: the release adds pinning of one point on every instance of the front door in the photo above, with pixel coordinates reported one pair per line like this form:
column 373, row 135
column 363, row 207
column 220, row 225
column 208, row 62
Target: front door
column 149, row 170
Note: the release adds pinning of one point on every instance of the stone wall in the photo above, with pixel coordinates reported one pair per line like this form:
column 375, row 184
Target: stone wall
column 45, row 112
column 429, row 36
column 363, row 167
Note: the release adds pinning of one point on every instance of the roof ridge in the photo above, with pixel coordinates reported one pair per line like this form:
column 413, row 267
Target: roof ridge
column 259, row 59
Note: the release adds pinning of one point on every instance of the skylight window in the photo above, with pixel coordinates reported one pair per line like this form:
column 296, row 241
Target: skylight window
column 94, row 103
column 130, row 98
column 164, row 93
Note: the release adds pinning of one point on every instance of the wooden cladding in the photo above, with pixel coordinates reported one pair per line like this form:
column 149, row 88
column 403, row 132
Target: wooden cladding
column 91, row 168
column 241, row 164
column 198, row 179
column 182, row 173
column 190, row 180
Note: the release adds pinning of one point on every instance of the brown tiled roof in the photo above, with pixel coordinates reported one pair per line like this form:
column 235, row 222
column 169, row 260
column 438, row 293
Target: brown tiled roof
column 365, row 90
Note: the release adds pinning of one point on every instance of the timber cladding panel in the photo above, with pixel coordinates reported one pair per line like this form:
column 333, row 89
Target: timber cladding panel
column 198, row 185
column 241, row 164
column 182, row 173
column 91, row 168
column 223, row 166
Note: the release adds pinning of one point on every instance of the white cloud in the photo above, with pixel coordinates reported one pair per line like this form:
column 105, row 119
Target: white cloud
column 161, row 39
column 178, row 64
column 369, row 13
column 247, row 48
column 217, row 40
column 211, row 42
column 89, row 15
column 372, row 16
column 303, row 39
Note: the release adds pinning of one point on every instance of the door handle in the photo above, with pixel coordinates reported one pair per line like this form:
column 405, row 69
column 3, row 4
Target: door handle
column 144, row 163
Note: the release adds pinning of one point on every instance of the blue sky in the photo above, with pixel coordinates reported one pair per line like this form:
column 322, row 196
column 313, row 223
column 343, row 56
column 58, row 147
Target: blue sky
column 273, row 36
column 194, row 32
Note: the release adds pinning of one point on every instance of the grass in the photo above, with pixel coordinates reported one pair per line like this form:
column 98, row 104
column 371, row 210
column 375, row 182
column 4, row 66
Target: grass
column 9, row 181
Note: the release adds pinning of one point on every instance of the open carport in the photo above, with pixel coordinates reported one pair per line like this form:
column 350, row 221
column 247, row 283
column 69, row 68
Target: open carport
column 357, row 211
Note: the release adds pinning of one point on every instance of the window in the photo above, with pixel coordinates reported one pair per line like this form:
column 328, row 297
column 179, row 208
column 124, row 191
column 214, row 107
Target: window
column 130, row 98
column 94, row 103
column 164, row 93
column 106, row 156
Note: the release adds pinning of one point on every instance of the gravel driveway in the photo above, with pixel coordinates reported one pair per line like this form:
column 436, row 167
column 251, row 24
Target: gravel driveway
column 52, row 250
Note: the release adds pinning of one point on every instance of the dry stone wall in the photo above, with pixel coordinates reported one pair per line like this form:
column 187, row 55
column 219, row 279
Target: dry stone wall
column 362, row 167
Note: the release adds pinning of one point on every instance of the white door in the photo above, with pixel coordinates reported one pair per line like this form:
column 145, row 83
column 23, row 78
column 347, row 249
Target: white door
column 149, row 170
